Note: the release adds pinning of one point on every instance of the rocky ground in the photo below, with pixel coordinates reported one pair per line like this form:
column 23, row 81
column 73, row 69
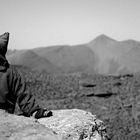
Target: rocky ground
column 70, row 124
column 114, row 99
column 13, row 127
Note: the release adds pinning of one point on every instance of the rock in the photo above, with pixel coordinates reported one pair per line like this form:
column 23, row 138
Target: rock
column 75, row 124
column 70, row 124
column 13, row 127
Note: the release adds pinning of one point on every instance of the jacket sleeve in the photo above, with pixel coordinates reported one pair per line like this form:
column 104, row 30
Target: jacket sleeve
column 25, row 100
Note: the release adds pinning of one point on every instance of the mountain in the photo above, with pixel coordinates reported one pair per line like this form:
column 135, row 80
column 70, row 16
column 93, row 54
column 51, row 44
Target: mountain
column 102, row 55
column 103, row 39
column 29, row 59
column 116, row 57
column 70, row 58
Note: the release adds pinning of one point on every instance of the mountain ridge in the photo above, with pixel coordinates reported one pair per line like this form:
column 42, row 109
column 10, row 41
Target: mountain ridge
column 30, row 59
column 102, row 55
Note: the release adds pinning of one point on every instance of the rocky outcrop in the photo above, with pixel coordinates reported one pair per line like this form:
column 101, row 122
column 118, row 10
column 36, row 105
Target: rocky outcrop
column 13, row 127
column 68, row 124
column 76, row 124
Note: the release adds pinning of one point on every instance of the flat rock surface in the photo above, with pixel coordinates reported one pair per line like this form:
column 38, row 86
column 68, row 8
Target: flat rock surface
column 13, row 127
column 73, row 124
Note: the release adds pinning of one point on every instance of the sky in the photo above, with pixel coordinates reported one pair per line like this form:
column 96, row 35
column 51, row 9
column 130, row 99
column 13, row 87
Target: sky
column 37, row 23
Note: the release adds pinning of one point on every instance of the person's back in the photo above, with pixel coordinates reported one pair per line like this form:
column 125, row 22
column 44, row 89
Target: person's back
column 13, row 87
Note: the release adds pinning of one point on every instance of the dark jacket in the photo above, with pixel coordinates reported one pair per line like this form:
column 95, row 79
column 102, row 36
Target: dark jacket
column 13, row 90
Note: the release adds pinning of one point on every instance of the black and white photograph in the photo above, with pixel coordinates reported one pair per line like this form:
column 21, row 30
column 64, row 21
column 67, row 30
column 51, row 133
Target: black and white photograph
column 69, row 69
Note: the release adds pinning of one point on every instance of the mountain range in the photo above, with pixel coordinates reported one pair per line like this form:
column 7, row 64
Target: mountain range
column 102, row 55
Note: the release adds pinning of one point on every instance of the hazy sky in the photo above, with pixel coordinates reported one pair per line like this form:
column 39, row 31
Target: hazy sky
column 34, row 23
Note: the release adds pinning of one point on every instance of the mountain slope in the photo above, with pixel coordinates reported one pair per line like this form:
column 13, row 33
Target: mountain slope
column 29, row 59
column 116, row 56
column 103, row 55
column 70, row 58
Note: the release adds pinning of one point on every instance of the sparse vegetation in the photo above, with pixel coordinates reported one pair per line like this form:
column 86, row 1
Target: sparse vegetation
column 114, row 99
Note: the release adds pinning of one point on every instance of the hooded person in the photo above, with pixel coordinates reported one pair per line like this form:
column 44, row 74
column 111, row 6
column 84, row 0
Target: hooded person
column 13, row 88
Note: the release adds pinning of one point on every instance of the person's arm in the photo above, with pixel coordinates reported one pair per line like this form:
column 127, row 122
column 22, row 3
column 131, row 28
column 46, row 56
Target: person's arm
column 26, row 100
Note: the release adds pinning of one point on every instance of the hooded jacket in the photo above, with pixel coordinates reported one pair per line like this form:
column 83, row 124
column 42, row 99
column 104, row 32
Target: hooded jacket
column 13, row 88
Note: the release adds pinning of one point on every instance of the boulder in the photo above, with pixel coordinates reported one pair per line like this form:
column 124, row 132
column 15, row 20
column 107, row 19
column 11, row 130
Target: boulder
column 13, row 127
column 76, row 124
column 73, row 124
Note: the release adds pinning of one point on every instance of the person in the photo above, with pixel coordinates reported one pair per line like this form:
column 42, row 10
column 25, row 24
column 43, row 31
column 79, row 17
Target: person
column 13, row 87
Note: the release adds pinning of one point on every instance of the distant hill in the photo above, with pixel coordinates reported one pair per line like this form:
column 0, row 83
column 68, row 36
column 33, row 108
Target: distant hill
column 30, row 59
column 70, row 58
column 116, row 56
column 102, row 55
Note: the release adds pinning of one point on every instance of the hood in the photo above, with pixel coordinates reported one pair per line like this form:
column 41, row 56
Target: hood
column 4, row 39
column 4, row 65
